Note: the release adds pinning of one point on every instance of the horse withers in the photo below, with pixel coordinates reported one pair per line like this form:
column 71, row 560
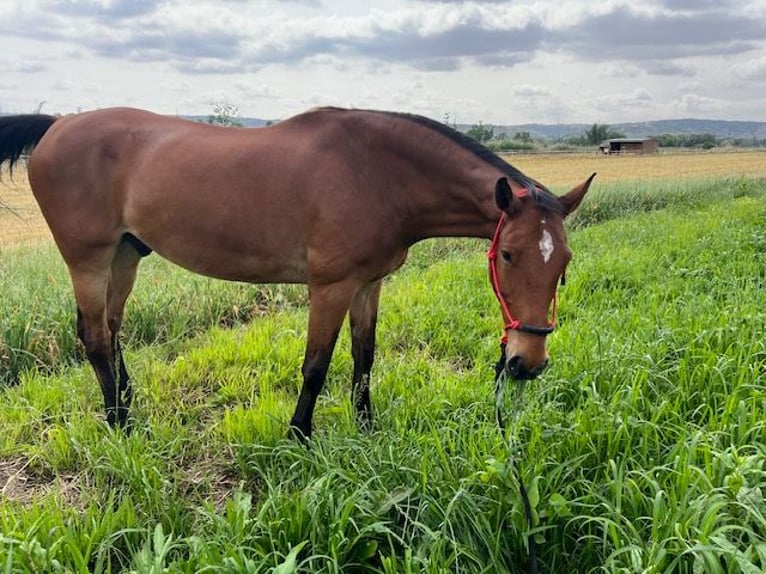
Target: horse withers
column 332, row 198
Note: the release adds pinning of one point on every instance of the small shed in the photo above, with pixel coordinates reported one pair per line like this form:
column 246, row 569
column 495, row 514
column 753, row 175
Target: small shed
column 630, row 145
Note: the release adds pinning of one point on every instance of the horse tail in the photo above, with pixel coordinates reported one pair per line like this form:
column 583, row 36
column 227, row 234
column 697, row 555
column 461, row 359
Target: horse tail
column 20, row 134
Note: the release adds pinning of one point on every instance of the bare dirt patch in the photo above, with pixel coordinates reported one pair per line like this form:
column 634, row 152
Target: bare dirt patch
column 209, row 478
column 22, row 484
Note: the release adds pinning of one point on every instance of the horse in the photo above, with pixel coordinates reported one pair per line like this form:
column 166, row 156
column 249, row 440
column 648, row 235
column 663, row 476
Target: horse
column 332, row 198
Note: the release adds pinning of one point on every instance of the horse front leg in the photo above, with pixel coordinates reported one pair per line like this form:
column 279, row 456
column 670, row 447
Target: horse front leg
column 327, row 308
column 363, row 318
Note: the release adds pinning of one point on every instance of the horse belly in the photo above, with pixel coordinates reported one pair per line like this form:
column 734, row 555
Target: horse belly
column 228, row 253
column 234, row 266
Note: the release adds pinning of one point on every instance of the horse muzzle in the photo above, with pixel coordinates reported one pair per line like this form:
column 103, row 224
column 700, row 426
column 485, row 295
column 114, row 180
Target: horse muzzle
column 520, row 372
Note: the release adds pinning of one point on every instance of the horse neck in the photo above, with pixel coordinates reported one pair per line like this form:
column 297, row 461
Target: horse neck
column 457, row 200
column 445, row 189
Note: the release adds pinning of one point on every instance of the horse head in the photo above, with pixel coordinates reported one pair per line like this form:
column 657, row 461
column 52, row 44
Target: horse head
column 528, row 259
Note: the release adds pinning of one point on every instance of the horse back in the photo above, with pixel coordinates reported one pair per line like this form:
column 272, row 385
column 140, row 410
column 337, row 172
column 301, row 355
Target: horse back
column 263, row 204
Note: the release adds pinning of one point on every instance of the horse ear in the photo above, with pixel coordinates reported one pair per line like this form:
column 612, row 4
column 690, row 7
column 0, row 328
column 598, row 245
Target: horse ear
column 504, row 197
column 571, row 200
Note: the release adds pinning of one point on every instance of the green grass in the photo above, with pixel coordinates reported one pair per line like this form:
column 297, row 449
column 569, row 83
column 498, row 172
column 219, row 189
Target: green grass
column 617, row 199
column 37, row 317
column 643, row 443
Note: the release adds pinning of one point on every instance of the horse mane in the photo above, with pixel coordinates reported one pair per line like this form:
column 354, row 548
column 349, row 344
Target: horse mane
column 542, row 196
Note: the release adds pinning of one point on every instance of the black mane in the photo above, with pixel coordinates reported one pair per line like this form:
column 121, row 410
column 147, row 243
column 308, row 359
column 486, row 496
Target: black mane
column 542, row 196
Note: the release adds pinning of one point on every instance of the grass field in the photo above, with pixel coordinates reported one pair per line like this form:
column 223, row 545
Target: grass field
column 645, row 448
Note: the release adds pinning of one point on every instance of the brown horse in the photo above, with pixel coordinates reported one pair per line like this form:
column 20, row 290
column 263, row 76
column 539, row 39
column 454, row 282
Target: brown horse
column 332, row 198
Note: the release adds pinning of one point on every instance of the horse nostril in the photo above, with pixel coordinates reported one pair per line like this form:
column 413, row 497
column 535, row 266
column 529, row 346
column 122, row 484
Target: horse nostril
column 518, row 371
column 514, row 366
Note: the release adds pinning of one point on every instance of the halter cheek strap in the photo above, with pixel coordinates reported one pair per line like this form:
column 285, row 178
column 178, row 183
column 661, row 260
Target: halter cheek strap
column 510, row 322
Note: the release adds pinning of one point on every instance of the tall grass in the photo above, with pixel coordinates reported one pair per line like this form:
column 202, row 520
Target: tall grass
column 37, row 315
column 643, row 443
column 618, row 198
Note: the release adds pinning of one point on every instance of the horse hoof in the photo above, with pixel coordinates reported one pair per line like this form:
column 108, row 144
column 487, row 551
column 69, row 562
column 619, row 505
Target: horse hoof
column 297, row 434
column 364, row 423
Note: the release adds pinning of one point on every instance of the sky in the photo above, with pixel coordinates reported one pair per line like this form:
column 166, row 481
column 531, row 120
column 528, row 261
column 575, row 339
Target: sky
column 500, row 63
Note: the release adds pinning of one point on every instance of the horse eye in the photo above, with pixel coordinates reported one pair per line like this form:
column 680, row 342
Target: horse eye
column 506, row 256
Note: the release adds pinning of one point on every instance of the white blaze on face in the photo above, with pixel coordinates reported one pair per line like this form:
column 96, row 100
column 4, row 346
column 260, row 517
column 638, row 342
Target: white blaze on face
column 546, row 245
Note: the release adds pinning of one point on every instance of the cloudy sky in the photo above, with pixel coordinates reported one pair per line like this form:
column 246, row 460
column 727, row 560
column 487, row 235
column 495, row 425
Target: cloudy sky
column 560, row 61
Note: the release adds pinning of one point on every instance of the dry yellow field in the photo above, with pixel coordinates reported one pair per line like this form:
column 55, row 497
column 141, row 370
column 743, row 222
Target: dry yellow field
column 20, row 219
column 566, row 170
column 22, row 223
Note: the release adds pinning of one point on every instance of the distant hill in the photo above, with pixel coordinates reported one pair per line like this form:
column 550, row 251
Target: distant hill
column 719, row 128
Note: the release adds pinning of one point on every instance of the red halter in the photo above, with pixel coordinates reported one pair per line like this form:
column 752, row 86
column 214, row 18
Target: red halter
column 510, row 322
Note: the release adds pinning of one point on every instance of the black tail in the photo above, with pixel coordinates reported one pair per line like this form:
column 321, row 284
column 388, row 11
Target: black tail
column 20, row 134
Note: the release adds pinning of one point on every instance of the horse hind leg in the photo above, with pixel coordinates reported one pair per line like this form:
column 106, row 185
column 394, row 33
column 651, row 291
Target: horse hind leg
column 121, row 281
column 101, row 284
column 91, row 284
column 363, row 319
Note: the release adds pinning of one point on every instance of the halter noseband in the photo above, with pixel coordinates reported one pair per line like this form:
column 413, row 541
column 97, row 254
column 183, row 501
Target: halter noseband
column 510, row 322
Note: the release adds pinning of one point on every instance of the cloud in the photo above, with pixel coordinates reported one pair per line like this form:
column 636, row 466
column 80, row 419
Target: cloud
column 625, row 33
column 235, row 36
column 9, row 86
column 635, row 97
column 464, row 41
column 208, row 66
column 463, row 1
column 528, row 91
column 63, row 84
column 667, row 68
column 752, row 70
column 697, row 5
column 21, row 66
column 694, row 104
column 437, row 37
column 105, row 10
column 251, row 90
column 153, row 44
column 276, row 53
column 175, row 85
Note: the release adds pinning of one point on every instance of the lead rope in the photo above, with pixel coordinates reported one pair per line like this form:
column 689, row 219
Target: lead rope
column 500, row 382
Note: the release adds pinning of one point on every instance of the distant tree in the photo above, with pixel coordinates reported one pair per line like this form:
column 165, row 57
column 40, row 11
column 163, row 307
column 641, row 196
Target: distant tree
column 524, row 137
column 669, row 140
column 481, row 133
column 225, row 114
column 747, row 142
column 704, row 141
column 509, row 145
column 597, row 133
